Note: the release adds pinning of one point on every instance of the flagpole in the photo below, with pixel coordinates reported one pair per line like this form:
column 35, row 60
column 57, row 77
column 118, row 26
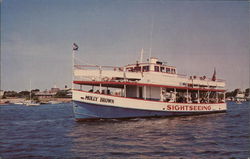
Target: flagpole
column 75, row 48
column 73, row 65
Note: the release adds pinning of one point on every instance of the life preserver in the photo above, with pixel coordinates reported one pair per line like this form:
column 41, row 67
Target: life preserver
column 105, row 79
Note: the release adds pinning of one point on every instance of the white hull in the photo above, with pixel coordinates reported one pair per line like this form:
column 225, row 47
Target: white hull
column 101, row 100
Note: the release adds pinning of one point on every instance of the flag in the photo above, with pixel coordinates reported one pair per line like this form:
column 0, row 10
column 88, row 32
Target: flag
column 75, row 47
column 214, row 75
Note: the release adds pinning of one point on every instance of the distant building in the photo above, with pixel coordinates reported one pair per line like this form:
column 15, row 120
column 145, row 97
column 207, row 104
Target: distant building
column 240, row 96
column 47, row 94
column 44, row 94
column 54, row 90
column 1, row 93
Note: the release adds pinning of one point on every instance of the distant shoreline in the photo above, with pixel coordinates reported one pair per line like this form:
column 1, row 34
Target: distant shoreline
column 20, row 100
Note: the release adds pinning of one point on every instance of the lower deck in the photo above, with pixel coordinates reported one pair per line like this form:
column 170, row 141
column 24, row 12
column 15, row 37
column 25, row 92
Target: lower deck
column 136, row 101
column 156, row 93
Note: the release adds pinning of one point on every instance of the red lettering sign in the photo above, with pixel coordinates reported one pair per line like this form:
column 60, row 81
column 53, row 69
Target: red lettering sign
column 188, row 107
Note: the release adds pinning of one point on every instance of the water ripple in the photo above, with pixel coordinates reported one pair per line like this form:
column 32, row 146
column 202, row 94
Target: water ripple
column 50, row 132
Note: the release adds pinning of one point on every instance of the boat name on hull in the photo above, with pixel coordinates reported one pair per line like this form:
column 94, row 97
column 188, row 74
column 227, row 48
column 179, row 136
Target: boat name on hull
column 101, row 99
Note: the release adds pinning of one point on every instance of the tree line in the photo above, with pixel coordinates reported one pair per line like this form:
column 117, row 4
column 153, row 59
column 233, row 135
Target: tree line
column 27, row 95
column 233, row 93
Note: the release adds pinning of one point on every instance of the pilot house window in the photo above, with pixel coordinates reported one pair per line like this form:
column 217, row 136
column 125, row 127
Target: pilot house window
column 145, row 68
column 168, row 70
column 173, row 71
column 162, row 69
column 137, row 69
column 156, row 68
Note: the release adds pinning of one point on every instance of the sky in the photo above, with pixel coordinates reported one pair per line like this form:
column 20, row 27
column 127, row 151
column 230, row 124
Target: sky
column 194, row 36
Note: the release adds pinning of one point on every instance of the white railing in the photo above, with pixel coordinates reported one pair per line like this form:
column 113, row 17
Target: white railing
column 111, row 73
column 104, row 73
column 96, row 67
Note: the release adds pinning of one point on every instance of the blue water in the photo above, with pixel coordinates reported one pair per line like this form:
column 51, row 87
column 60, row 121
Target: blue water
column 49, row 131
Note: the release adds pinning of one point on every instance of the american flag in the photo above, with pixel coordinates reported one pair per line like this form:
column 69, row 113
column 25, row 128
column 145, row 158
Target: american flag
column 214, row 75
column 75, row 47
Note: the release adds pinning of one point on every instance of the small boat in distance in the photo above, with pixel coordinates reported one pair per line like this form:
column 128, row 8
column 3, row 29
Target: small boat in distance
column 238, row 102
column 30, row 102
column 54, row 102
column 143, row 89
column 18, row 103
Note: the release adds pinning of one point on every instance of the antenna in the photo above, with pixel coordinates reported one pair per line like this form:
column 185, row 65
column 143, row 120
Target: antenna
column 142, row 51
column 151, row 36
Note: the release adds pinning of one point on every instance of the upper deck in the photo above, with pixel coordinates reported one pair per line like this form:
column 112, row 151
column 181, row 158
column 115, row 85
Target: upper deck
column 154, row 73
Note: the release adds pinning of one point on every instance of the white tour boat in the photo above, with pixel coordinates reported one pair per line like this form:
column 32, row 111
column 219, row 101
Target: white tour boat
column 150, row 89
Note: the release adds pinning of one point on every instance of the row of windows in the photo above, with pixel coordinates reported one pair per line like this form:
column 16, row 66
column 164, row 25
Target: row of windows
column 165, row 69
column 156, row 69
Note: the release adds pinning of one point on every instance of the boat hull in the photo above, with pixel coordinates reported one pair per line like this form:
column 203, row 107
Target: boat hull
column 88, row 106
column 87, row 111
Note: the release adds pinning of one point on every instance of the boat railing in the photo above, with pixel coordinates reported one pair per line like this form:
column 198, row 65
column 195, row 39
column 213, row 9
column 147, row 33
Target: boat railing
column 220, row 80
column 97, row 67
column 101, row 72
column 217, row 80
column 204, row 78
column 181, row 76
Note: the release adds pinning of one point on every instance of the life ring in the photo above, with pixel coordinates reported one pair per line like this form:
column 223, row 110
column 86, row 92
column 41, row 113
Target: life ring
column 105, row 79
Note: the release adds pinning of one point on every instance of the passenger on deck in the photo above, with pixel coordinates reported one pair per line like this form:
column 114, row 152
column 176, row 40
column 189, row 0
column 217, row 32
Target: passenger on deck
column 203, row 100
column 180, row 99
column 97, row 91
column 108, row 91
column 221, row 100
column 194, row 100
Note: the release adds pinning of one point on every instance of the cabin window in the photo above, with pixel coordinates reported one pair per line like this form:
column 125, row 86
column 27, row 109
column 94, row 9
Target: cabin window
column 137, row 69
column 162, row 69
column 145, row 68
column 168, row 70
column 156, row 68
column 173, row 71
column 140, row 92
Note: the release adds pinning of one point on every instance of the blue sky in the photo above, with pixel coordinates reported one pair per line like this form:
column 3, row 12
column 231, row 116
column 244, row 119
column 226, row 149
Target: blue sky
column 194, row 36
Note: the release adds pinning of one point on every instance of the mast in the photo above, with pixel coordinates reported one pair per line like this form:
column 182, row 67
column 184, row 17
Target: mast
column 73, row 63
column 151, row 37
column 141, row 58
column 30, row 90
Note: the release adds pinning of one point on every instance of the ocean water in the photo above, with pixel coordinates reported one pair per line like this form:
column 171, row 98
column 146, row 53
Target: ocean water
column 49, row 131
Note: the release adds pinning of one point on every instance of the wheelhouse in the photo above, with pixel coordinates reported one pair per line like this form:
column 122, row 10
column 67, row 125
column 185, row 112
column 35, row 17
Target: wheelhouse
column 154, row 66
